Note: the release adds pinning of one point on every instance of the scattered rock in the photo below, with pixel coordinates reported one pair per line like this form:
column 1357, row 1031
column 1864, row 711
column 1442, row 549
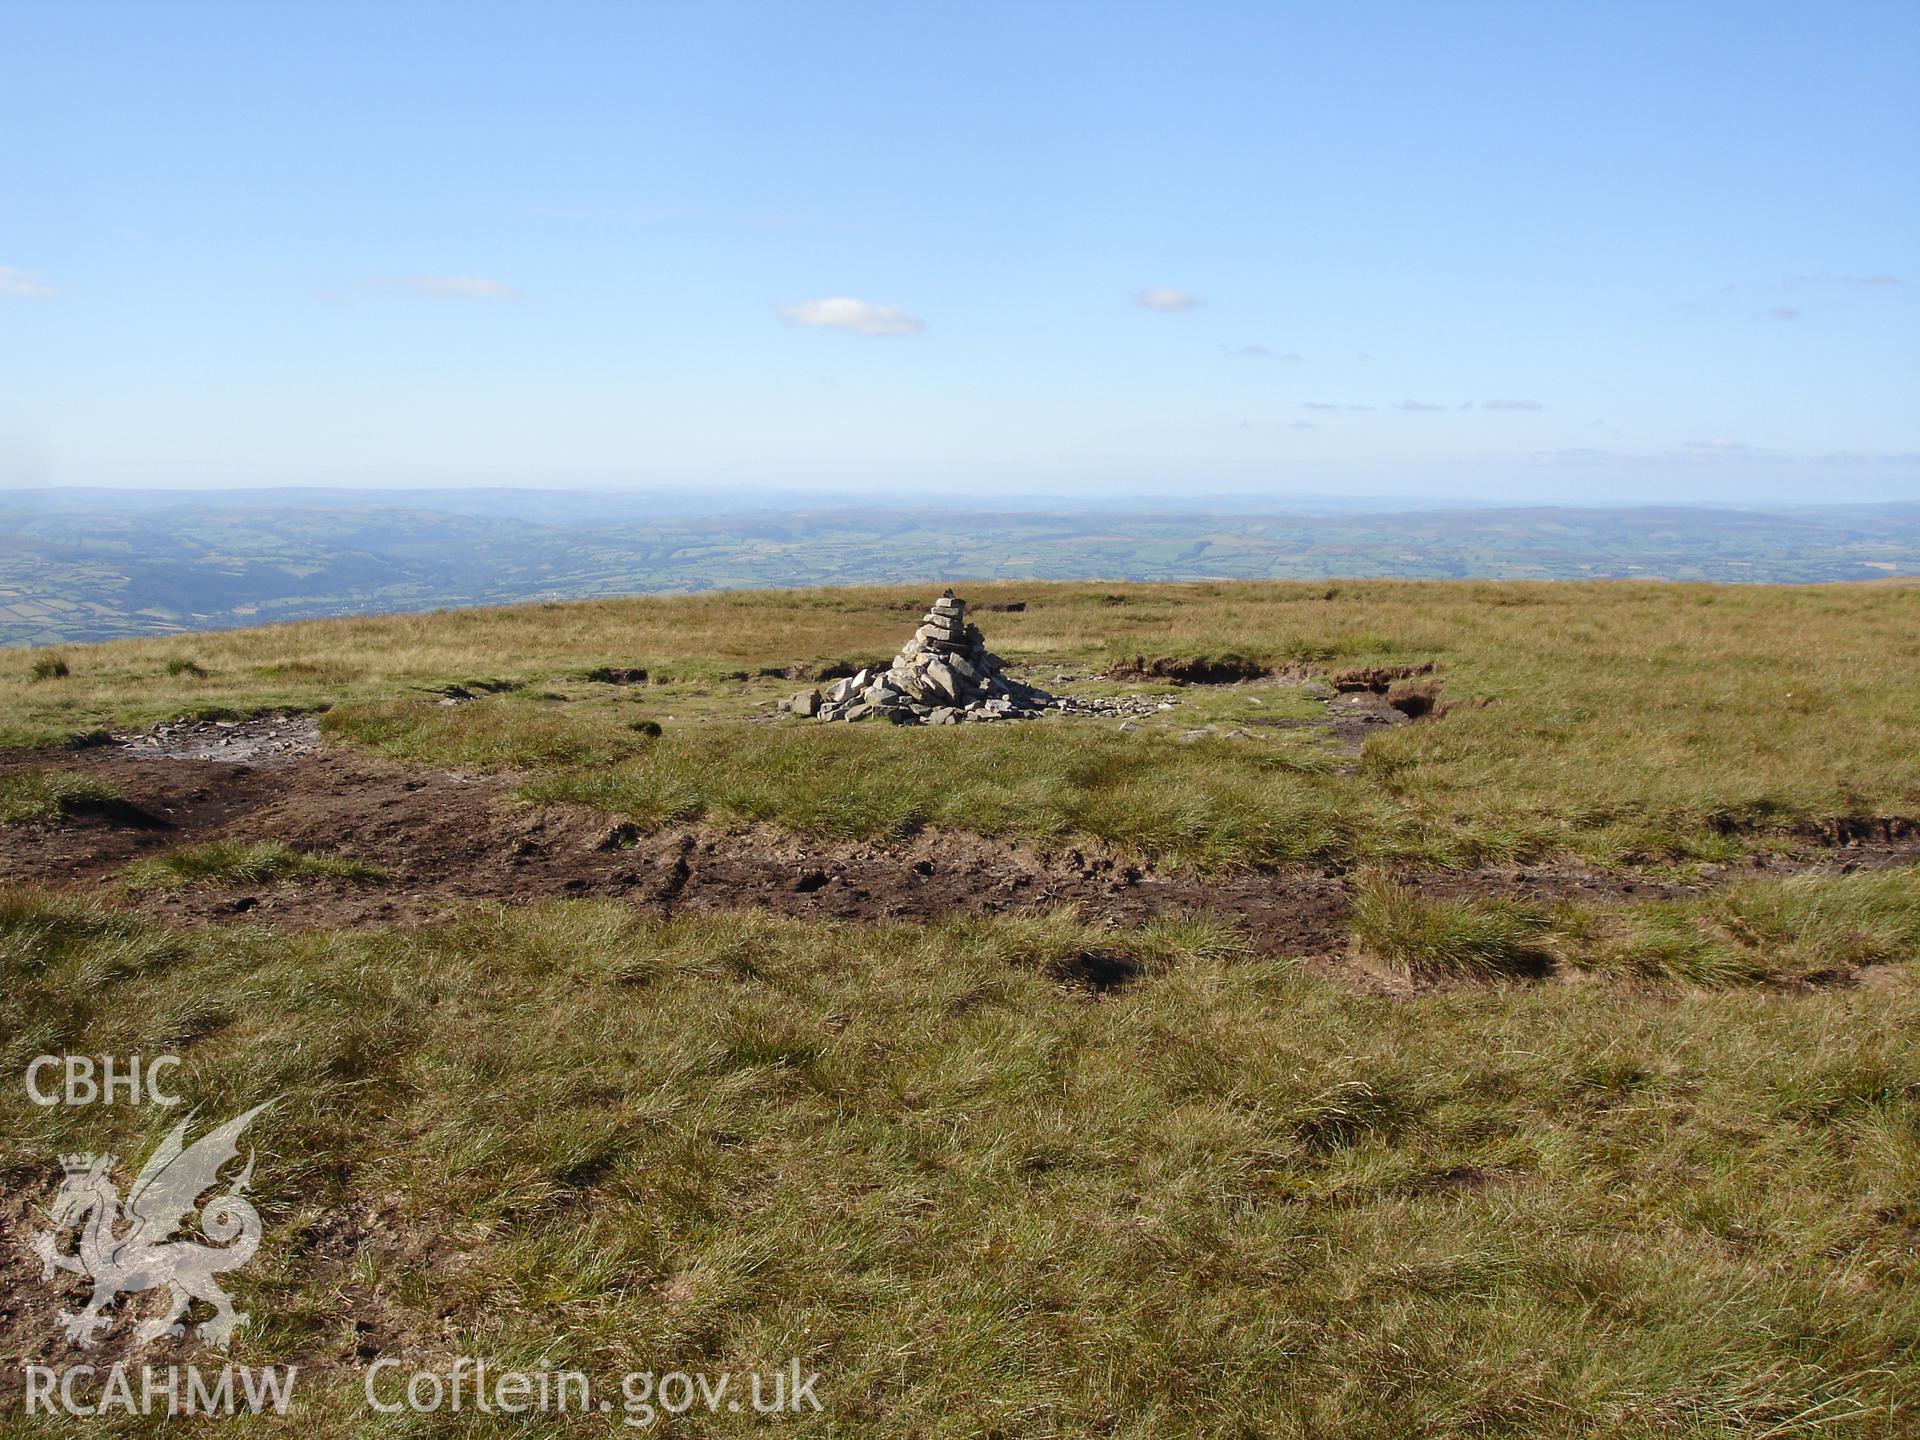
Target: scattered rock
column 270, row 740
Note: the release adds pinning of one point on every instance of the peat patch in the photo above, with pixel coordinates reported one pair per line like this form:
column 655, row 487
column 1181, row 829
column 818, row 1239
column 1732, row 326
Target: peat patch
column 1377, row 678
column 1099, row 972
column 1190, row 669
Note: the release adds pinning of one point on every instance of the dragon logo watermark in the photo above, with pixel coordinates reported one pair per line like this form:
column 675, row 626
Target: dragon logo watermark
column 130, row 1247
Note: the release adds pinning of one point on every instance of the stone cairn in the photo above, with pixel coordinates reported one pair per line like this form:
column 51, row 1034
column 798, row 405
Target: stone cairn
column 944, row 675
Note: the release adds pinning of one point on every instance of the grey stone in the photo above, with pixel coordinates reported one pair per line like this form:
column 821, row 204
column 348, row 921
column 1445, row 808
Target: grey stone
column 805, row 702
column 942, row 679
column 842, row 690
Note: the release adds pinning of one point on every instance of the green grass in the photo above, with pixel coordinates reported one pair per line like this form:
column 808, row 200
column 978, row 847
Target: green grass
column 1206, row 804
column 1225, row 1198
column 518, row 730
column 47, row 795
column 236, row 861
column 1810, row 928
column 1425, row 937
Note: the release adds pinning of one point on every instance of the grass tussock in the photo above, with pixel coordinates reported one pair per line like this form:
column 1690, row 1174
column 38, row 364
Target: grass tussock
column 1431, row 938
column 238, row 862
column 48, row 795
column 1223, row 1198
column 49, row 666
column 1807, row 929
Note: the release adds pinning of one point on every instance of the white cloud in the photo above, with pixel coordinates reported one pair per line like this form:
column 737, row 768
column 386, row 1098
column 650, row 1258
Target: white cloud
column 857, row 317
column 453, row 287
column 1261, row 352
column 1413, row 405
column 22, row 286
column 1511, row 405
column 1784, row 312
column 1166, row 299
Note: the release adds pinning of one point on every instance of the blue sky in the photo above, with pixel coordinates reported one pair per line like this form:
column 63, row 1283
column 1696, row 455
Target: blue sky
column 1547, row 250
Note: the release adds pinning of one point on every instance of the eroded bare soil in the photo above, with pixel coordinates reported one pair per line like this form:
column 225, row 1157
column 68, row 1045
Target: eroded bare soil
column 441, row 838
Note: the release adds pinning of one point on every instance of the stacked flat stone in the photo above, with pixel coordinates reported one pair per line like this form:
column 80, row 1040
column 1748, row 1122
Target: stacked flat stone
column 944, row 675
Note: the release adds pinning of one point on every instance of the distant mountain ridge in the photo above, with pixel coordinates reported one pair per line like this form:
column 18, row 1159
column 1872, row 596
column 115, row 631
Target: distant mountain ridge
column 78, row 565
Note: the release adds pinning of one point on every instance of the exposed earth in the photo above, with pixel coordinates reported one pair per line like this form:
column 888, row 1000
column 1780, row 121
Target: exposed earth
column 442, row 837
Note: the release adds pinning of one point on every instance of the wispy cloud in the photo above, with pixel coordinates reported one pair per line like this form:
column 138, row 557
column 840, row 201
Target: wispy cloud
column 449, row 287
column 1511, row 405
column 1784, row 312
column 22, row 286
column 1876, row 281
column 856, row 317
column 1327, row 405
column 1261, row 352
column 1719, row 445
column 1418, row 405
column 1166, row 299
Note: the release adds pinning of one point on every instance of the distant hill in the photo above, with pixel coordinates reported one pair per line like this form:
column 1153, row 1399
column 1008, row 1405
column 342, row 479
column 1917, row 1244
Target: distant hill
column 95, row 564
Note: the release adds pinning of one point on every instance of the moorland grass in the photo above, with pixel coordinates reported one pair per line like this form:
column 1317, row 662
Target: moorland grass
column 1226, row 1198
column 1624, row 720
column 233, row 860
column 1438, row 938
column 1207, row 805
column 1807, row 928
column 46, row 795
